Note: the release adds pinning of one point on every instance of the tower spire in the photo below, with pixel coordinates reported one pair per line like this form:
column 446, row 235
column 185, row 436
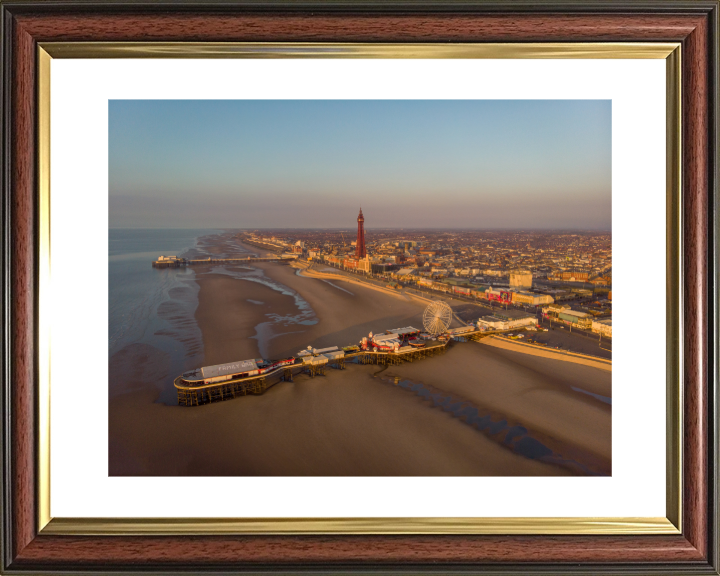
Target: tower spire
column 360, row 244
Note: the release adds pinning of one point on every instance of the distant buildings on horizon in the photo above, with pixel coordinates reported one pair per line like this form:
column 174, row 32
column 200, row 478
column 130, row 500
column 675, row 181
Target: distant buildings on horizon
column 523, row 268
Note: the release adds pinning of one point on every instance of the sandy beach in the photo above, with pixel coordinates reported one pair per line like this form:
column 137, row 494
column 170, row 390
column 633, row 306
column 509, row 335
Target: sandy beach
column 359, row 421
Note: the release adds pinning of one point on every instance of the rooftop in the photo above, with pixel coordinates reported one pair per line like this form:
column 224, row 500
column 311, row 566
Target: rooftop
column 513, row 314
column 229, row 368
column 405, row 330
column 492, row 318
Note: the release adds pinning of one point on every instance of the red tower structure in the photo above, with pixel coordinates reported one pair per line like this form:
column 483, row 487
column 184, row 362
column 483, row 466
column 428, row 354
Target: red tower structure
column 360, row 244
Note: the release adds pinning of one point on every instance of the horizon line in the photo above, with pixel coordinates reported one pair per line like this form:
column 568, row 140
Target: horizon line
column 378, row 228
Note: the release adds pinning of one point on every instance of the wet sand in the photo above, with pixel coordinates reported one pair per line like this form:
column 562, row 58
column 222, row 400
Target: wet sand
column 346, row 312
column 228, row 312
column 532, row 391
column 354, row 422
column 347, row 423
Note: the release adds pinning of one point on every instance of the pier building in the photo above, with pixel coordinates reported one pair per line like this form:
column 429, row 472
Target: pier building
column 169, row 262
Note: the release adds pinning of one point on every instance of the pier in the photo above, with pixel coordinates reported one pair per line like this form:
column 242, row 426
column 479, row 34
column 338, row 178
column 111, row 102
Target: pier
column 196, row 395
column 209, row 393
column 175, row 262
column 395, row 358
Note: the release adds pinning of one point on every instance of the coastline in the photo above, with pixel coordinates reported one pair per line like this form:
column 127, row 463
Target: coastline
column 351, row 422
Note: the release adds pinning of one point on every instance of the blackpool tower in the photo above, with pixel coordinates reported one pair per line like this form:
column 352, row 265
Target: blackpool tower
column 360, row 244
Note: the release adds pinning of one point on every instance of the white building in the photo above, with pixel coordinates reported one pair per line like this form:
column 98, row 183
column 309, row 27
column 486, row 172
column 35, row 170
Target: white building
column 506, row 320
column 387, row 341
column 363, row 265
column 603, row 327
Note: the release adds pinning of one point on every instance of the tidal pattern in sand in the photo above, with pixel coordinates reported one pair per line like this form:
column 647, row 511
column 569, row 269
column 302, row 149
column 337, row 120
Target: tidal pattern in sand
column 152, row 309
column 277, row 324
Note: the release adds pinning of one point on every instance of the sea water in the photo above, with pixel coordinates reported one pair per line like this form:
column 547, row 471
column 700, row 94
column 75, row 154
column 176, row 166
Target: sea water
column 137, row 292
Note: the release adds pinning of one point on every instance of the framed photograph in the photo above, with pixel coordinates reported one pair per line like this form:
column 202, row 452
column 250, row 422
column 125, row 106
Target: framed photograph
column 296, row 287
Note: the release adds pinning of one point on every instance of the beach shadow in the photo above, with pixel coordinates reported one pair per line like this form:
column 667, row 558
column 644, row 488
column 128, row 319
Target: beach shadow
column 559, row 382
column 514, row 436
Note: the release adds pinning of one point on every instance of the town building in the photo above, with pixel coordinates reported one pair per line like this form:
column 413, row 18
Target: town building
column 521, row 279
column 553, row 310
column 502, row 296
column 603, row 327
column 403, row 273
column 364, row 265
column 572, row 276
column 530, row 298
column 565, row 315
column 382, row 267
column 560, row 295
column 506, row 320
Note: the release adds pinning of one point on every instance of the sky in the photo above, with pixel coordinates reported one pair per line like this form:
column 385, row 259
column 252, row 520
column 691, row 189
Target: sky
column 470, row 164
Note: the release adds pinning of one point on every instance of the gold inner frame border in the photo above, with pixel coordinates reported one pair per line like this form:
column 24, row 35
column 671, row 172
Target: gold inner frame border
column 671, row 524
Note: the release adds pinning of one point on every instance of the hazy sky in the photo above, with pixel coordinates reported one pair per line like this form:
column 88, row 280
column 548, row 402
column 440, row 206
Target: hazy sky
column 409, row 163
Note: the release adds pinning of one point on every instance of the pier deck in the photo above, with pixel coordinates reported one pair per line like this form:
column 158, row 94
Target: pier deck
column 189, row 395
column 181, row 262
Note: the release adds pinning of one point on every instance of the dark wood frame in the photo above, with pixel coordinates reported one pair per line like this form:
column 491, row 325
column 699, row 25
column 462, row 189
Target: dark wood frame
column 694, row 23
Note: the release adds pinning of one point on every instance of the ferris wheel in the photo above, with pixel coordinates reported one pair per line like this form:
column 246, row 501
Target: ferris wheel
column 437, row 318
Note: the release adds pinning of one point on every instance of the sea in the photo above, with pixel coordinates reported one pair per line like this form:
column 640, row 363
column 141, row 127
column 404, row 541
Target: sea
column 138, row 294
column 156, row 306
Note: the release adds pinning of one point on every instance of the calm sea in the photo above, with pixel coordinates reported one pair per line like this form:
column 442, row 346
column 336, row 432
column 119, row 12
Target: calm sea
column 137, row 290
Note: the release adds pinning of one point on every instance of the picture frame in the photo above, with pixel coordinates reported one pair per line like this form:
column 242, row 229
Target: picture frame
column 36, row 31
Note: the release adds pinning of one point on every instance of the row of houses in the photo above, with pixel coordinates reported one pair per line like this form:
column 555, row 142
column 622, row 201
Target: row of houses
column 489, row 293
column 512, row 319
column 572, row 276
